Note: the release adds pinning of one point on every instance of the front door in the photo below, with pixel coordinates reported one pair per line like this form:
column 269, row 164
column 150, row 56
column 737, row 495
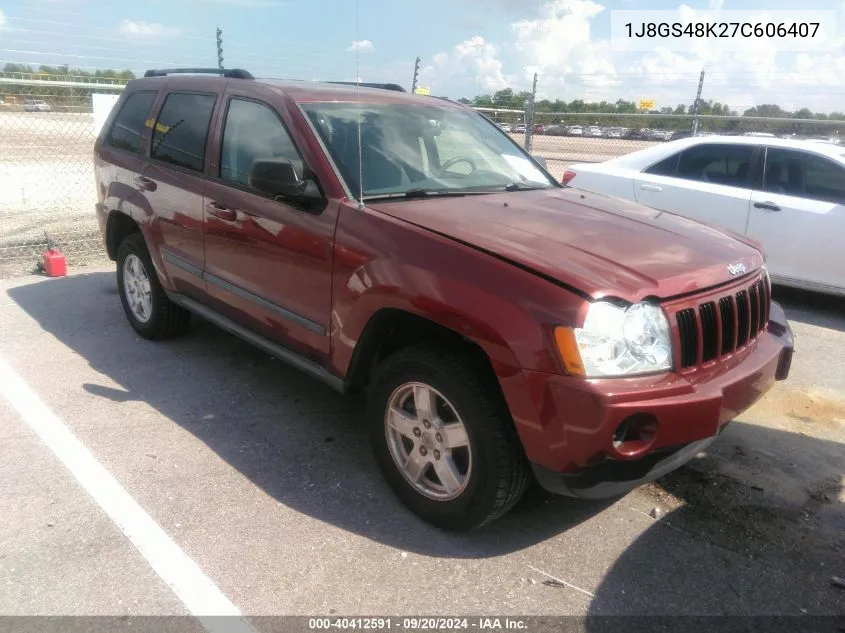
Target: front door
column 268, row 263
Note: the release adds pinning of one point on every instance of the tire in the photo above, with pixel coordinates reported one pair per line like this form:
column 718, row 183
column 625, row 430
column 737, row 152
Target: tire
column 163, row 319
column 499, row 472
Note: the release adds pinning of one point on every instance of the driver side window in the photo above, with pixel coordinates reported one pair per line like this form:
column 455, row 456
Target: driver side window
column 252, row 132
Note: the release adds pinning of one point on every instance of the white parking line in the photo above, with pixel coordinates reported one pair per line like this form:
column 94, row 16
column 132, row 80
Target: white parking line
column 198, row 593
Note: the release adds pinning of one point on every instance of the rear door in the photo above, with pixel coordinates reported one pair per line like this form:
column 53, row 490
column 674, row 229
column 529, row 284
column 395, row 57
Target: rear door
column 798, row 215
column 174, row 183
column 709, row 182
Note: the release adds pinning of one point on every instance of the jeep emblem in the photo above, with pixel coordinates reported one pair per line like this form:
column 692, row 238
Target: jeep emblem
column 736, row 269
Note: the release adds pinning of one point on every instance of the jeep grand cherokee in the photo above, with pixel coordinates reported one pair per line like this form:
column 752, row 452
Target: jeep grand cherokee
column 503, row 326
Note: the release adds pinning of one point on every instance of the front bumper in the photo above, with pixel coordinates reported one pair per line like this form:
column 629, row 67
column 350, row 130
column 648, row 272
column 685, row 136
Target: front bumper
column 572, row 449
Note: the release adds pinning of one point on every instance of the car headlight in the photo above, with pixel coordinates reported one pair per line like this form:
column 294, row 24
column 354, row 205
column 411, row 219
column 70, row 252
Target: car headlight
column 617, row 341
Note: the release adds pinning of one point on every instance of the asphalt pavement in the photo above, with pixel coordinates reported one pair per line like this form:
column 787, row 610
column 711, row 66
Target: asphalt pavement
column 262, row 482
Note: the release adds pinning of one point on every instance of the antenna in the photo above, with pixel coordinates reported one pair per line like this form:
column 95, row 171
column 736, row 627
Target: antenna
column 361, row 206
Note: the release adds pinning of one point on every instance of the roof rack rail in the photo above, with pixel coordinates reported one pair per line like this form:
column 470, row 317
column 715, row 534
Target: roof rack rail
column 394, row 87
column 232, row 73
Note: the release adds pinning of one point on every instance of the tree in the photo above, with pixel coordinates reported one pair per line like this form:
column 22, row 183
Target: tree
column 680, row 109
column 465, row 101
column 483, row 101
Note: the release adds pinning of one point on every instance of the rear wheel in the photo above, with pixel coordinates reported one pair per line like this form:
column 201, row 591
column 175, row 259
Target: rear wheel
column 145, row 303
column 444, row 439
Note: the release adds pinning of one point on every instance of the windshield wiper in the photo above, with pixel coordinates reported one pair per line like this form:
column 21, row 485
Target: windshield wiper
column 521, row 186
column 423, row 193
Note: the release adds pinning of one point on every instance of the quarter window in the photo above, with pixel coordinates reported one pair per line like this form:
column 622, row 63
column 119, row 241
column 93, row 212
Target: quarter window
column 128, row 129
column 666, row 167
column 181, row 131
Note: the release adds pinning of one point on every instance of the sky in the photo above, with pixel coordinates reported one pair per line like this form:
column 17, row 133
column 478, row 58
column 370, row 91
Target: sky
column 467, row 47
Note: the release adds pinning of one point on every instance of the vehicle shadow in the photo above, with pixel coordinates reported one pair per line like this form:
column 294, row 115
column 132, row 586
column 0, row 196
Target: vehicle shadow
column 812, row 308
column 304, row 445
column 300, row 442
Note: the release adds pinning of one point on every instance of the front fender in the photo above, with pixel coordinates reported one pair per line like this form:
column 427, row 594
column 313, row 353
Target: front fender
column 384, row 263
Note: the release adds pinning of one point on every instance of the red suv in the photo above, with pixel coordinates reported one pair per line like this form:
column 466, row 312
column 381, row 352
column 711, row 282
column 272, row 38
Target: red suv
column 503, row 326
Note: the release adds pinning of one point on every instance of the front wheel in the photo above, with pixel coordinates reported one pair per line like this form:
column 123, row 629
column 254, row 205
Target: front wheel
column 444, row 439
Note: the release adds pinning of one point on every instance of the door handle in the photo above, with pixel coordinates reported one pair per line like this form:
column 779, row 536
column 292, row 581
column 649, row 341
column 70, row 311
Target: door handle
column 651, row 188
column 145, row 183
column 768, row 206
column 221, row 211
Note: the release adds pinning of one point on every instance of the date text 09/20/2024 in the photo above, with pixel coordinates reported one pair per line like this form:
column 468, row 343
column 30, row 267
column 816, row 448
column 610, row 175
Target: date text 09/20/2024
column 416, row 624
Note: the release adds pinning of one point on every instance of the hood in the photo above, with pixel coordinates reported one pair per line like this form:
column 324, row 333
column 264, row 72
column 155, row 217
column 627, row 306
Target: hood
column 598, row 245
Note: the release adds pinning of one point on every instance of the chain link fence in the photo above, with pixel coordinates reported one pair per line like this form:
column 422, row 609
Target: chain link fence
column 47, row 135
column 47, row 190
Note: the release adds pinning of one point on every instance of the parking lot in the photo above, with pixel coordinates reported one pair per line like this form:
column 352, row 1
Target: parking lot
column 264, row 479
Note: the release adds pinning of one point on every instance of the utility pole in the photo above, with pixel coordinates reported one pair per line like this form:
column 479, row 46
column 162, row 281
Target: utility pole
column 697, row 104
column 220, row 48
column 416, row 75
column 529, row 116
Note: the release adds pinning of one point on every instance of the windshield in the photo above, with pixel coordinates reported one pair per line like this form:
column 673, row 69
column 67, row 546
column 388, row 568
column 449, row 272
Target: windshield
column 421, row 148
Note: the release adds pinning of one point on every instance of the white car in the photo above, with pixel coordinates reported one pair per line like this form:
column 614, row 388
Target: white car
column 505, row 127
column 789, row 196
column 594, row 131
column 36, row 105
column 575, row 130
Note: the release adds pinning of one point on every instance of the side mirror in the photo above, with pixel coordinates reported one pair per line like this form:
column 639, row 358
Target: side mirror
column 541, row 160
column 278, row 178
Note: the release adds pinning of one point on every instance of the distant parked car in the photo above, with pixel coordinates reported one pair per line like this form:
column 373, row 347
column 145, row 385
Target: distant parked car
column 614, row 132
column 556, row 130
column 505, row 127
column 520, row 128
column 787, row 195
column 36, row 105
column 539, row 129
column 575, row 130
column 594, row 131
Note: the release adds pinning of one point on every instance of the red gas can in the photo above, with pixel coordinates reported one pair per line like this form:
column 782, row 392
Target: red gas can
column 55, row 264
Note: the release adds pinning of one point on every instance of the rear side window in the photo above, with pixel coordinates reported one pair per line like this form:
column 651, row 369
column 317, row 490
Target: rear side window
column 182, row 128
column 128, row 128
column 253, row 131
column 804, row 175
column 716, row 163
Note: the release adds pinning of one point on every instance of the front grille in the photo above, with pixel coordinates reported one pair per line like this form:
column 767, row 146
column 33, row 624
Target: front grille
column 721, row 326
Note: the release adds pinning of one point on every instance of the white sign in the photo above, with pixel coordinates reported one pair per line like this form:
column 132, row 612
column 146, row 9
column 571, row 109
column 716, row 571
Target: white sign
column 103, row 105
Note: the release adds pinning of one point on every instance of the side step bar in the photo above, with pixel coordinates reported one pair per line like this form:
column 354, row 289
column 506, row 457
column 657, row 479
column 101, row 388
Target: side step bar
column 274, row 349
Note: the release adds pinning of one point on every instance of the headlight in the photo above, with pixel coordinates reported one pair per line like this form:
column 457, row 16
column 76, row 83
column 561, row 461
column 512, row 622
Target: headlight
column 618, row 341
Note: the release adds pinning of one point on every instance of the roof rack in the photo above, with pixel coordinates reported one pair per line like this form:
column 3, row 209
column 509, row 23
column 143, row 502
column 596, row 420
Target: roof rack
column 231, row 73
column 394, row 87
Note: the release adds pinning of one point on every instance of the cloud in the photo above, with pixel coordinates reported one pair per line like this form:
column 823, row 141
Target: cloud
column 140, row 30
column 558, row 42
column 2, row 20
column 474, row 60
column 362, row 46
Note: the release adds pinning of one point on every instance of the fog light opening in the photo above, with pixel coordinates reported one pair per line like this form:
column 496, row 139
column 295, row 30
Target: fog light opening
column 635, row 434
